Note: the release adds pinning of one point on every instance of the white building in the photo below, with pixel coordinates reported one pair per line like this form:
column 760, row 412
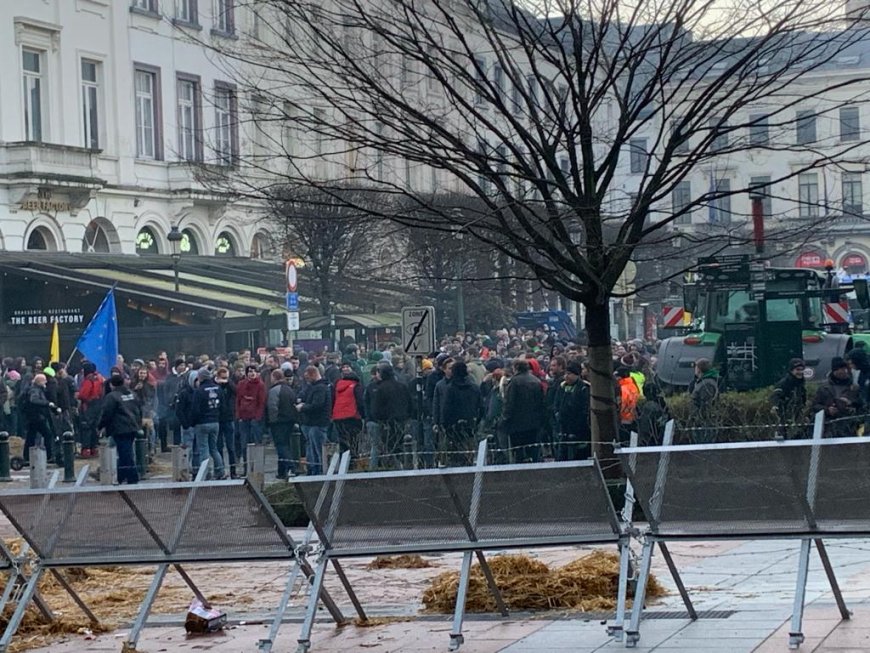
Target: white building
column 104, row 104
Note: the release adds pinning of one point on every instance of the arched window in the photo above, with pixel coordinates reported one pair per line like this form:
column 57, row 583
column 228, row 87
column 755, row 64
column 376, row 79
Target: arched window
column 41, row 239
column 96, row 239
column 146, row 242
column 188, row 242
column 261, row 247
column 224, row 245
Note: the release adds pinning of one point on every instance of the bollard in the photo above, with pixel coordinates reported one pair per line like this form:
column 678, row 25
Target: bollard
column 408, row 451
column 38, row 468
column 256, row 472
column 68, row 447
column 5, row 474
column 140, row 449
column 180, row 463
column 108, row 463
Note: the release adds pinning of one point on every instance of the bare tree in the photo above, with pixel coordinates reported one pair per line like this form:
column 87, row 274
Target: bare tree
column 540, row 110
column 326, row 230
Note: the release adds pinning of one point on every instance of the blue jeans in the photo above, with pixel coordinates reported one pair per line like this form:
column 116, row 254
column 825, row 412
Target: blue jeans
column 127, row 471
column 373, row 430
column 250, row 432
column 188, row 439
column 206, row 445
column 315, row 438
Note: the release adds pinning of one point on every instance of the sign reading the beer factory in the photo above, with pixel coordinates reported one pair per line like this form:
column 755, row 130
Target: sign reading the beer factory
column 39, row 316
column 43, row 201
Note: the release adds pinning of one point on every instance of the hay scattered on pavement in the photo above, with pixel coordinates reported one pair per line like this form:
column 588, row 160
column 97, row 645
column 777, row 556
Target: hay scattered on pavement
column 379, row 621
column 588, row 584
column 399, row 562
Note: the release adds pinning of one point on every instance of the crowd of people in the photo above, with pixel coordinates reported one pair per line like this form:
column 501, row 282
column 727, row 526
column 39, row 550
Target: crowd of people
column 525, row 390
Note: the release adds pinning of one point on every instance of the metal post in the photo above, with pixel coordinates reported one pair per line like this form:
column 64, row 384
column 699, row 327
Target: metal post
column 180, row 463
column 5, row 474
column 141, row 452
column 38, row 468
column 108, row 463
column 256, row 472
column 795, row 636
column 68, row 444
column 23, row 602
column 133, row 636
column 456, row 637
column 632, row 633
column 407, row 451
column 615, row 630
column 678, row 581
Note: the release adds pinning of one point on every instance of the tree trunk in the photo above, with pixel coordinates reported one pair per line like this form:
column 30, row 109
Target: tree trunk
column 605, row 424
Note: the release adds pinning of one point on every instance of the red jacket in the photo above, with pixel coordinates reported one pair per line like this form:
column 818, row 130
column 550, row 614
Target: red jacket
column 347, row 400
column 91, row 390
column 250, row 399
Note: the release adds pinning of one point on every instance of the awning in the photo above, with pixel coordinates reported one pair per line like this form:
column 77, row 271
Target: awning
column 352, row 320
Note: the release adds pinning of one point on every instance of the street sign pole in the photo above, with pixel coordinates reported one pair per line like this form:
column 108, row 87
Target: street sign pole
column 292, row 301
column 418, row 340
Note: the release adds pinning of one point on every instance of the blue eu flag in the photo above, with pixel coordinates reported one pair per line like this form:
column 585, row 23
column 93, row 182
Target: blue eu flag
column 99, row 342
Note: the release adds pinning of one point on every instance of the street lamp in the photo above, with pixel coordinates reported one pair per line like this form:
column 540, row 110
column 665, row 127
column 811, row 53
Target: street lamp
column 460, row 291
column 175, row 237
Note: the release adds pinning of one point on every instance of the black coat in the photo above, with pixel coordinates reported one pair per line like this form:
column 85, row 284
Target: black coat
column 461, row 403
column 227, row 412
column 571, row 404
column 317, row 409
column 121, row 414
column 391, row 401
column 789, row 398
column 524, row 407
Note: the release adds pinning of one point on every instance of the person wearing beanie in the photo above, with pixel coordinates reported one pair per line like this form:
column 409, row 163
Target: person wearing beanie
column 426, row 364
column 250, row 407
column 859, row 360
column 840, row 397
column 122, row 418
column 460, row 409
column 789, row 399
column 571, row 405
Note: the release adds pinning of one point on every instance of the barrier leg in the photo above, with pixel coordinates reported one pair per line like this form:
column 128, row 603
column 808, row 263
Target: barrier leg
column 795, row 635
column 678, row 581
column 18, row 614
column 265, row 645
column 632, row 634
column 490, row 581
column 74, row 596
column 311, row 612
column 832, row 579
column 130, row 645
column 456, row 638
column 622, row 590
column 339, row 570
column 193, row 588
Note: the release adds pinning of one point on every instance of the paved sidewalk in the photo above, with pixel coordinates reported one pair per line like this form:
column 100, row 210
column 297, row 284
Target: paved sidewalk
column 749, row 585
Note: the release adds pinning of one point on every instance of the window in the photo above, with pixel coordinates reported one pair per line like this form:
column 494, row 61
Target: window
column 853, row 194
column 189, row 119
column 225, row 124
column 90, row 104
column 319, row 120
column 32, row 67
column 761, row 185
column 147, row 131
column 145, row 5
column 638, row 155
column 808, row 194
column 189, row 244
column 850, row 124
column 532, row 83
column 186, row 11
column 224, row 245
column 224, row 16
column 681, row 147
column 479, row 79
column 759, row 129
column 498, row 81
column 720, row 207
column 681, row 197
column 146, row 242
column 432, row 83
column 719, row 133
column 379, row 152
column 805, row 126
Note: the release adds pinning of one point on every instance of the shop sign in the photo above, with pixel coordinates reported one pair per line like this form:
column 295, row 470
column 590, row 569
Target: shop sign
column 45, row 202
column 40, row 317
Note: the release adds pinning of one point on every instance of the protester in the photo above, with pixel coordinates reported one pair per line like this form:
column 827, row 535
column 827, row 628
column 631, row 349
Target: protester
column 314, row 408
column 282, row 415
column 121, row 416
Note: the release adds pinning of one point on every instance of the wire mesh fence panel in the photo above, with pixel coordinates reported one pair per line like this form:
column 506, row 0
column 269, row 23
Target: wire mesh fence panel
column 146, row 524
column 727, row 489
column 433, row 510
column 841, row 501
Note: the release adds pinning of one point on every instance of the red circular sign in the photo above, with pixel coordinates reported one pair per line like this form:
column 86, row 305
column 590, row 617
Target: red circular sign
column 854, row 261
column 812, row 259
column 291, row 276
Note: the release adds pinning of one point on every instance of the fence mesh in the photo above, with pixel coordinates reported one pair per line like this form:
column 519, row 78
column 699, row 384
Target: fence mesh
column 424, row 510
column 95, row 526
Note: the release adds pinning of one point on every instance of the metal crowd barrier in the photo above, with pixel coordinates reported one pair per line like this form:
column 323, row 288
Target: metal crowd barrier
column 809, row 490
column 165, row 524
column 466, row 509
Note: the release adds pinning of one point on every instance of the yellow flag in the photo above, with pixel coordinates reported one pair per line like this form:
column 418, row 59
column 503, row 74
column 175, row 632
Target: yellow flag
column 54, row 356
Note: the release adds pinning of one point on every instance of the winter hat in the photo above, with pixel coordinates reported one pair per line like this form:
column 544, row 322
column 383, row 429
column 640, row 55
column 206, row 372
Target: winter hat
column 116, row 381
column 203, row 374
column 574, row 367
column 838, row 363
column 376, row 356
column 49, row 372
column 89, row 368
column 860, row 358
column 286, row 365
column 427, row 364
column 440, row 358
column 492, row 364
column 13, row 375
column 795, row 363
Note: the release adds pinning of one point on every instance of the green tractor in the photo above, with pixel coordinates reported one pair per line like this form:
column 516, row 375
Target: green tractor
column 750, row 320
